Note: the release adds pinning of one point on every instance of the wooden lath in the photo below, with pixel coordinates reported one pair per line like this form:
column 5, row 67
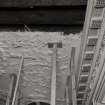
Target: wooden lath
column 11, row 92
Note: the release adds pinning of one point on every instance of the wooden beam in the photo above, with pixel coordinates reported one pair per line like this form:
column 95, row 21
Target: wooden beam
column 32, row 3
column 53, row 78
column 74, row 98
column 46, row 28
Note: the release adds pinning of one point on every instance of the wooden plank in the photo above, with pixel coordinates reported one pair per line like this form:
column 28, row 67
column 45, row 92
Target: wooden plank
column 40, row 17
column 74, row 99
column 10, row 90
column 53, row 78
column 68, row 90
column 71, row 84
column 32, row 3
column 67, row 95
column 17, row 81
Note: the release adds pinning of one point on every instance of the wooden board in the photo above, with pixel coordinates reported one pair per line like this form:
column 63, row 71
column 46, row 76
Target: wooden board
column 32, row 3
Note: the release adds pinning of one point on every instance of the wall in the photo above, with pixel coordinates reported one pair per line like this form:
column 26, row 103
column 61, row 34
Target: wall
column 35, row 83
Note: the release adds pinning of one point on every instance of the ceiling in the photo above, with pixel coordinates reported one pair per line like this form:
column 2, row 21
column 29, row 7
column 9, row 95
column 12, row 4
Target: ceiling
column 61, row 14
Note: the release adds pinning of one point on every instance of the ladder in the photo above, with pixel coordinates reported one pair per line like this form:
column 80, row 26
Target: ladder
column 91, row 39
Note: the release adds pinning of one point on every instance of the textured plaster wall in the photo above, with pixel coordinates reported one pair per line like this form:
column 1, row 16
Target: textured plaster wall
column 36, row 76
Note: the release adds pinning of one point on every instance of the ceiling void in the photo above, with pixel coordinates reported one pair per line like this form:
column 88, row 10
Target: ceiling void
column 32, row 3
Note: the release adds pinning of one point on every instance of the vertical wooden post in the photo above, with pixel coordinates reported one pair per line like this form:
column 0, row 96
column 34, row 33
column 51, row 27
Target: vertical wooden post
column 10, row 90
column 53, row 79
column 54, row 46
column 74, row 91
column 67, row 92
column 74, row 101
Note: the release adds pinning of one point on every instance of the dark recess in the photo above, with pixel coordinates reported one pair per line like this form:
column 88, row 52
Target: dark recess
column 66, row 18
